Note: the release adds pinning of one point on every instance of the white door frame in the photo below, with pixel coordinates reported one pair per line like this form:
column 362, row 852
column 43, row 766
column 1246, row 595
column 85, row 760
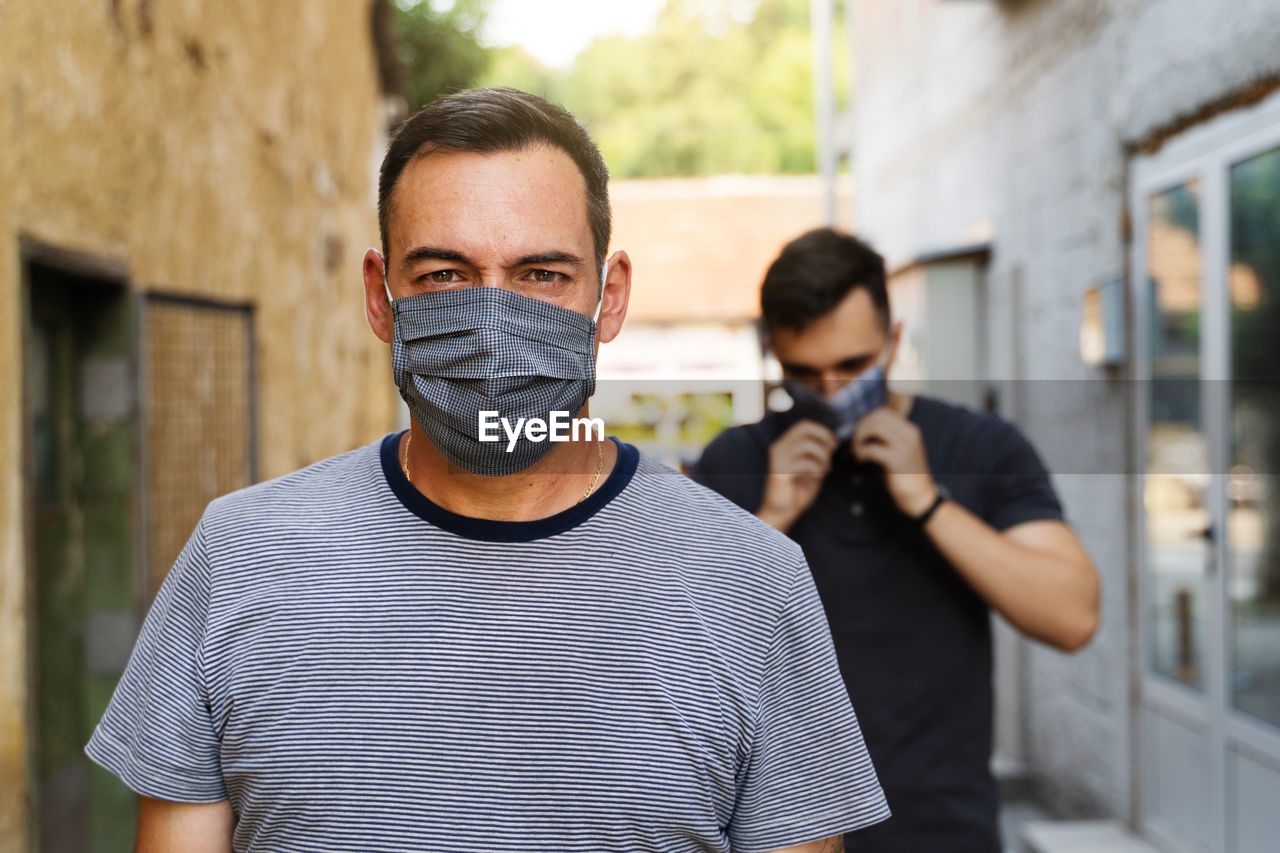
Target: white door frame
column 1206, row 152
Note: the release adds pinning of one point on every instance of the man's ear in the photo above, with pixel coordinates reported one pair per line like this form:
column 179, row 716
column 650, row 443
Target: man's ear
column 616, row 297
column 895, row 336
column 377, row 307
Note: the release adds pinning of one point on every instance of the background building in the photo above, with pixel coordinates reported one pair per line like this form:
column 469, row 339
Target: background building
column 1108, row 173
column 185, row 193
column 690, row 361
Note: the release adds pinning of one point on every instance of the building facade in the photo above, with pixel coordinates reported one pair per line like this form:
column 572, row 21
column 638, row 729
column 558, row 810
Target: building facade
column 186, row 190
column 690, row 360
column 1102, row 178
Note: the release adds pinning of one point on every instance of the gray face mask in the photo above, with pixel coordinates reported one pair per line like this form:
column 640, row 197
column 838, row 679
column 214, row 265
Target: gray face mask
column 459, row 352
column 841, row 411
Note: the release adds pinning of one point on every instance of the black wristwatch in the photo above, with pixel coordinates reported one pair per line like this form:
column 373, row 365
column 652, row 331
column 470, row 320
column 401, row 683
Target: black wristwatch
column 944, row 494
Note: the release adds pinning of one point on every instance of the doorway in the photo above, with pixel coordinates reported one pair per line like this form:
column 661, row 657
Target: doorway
column 80, row 392
column 1206, row 286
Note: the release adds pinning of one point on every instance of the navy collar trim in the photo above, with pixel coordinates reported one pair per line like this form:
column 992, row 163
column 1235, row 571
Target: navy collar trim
column 491, row 530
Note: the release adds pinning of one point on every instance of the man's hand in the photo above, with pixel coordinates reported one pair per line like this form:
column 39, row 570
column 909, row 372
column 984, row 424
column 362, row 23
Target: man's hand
column 798, row 462
column 893, row 442
column 165, row 827
column 1036, row 574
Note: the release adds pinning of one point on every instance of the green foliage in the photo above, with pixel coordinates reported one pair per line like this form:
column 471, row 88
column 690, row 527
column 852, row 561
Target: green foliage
column 438, row 47
column 515, row 66
column 719, row 86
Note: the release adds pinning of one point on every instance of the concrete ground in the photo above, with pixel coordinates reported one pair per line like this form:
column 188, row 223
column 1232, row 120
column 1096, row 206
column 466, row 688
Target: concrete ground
column 1027, row 827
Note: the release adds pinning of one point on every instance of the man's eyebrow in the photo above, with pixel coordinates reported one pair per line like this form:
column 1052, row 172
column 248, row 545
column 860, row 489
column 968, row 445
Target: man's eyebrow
column 855, row 360
column 843, row 364
column 550, row 258
column 428, row 253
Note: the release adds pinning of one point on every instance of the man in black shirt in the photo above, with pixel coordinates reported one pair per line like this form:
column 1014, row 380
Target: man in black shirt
column 916, row 516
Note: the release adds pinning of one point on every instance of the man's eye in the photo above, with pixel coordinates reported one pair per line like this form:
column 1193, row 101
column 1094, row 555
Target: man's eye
column 442, row 276
column 545, row 276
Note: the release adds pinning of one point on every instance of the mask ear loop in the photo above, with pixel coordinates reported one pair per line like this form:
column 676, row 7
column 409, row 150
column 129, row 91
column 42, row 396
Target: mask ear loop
column 385, row 285
column 604, row 272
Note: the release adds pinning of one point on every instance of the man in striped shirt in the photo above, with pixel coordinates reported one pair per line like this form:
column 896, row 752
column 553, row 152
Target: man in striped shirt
column 426, row 644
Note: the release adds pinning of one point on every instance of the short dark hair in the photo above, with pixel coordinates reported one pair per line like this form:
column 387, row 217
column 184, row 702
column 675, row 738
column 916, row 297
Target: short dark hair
column 814, row 273
column 493, row 120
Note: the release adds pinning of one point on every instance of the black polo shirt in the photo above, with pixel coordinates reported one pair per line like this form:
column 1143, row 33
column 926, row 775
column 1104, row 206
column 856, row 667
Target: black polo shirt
column 912, row 638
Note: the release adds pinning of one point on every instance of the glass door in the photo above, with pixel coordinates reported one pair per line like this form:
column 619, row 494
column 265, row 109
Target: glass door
column 1179, row 526
column 1206, row 263
column 1252, row 505
column 1253, row 520
column 1178, row 532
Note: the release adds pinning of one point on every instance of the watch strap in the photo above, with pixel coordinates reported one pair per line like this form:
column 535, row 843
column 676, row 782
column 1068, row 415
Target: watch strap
column 942, row 497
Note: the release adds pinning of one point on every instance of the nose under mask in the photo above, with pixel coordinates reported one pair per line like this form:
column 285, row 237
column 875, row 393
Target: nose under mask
column 458, row 352
column 842, row 410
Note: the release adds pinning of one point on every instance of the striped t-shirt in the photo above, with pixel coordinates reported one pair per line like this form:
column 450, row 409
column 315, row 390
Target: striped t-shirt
column 356, row 668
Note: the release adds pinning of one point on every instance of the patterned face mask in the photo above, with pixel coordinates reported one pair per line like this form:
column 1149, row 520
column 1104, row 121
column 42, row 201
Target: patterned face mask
column 841, row 411
column 459, row 352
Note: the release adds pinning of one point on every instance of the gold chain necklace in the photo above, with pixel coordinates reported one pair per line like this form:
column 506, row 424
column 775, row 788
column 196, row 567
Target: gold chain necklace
column 596, row 478
column 404, row 466
column 404, row 463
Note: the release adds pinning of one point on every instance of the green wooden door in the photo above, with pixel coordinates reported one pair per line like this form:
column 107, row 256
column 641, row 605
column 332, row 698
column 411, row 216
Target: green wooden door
column 81, row 391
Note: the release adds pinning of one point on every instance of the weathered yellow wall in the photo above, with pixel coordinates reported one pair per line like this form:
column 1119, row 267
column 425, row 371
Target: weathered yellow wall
column 13, row 791
column 223, row 149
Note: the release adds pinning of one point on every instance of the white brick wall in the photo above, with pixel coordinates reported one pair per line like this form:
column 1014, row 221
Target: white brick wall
column 1015, row 117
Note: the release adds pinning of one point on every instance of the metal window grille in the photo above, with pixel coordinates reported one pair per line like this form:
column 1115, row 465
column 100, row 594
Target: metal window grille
column 198, row 398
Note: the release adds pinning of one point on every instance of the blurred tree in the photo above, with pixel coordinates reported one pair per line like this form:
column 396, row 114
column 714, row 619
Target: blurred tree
column 515, row 66
column 718, row 86
column 715, row 88
column 437, row 45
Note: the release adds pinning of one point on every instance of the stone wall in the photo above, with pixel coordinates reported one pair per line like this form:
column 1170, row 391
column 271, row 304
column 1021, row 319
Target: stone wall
column 1014, row 122
column 225, row 151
